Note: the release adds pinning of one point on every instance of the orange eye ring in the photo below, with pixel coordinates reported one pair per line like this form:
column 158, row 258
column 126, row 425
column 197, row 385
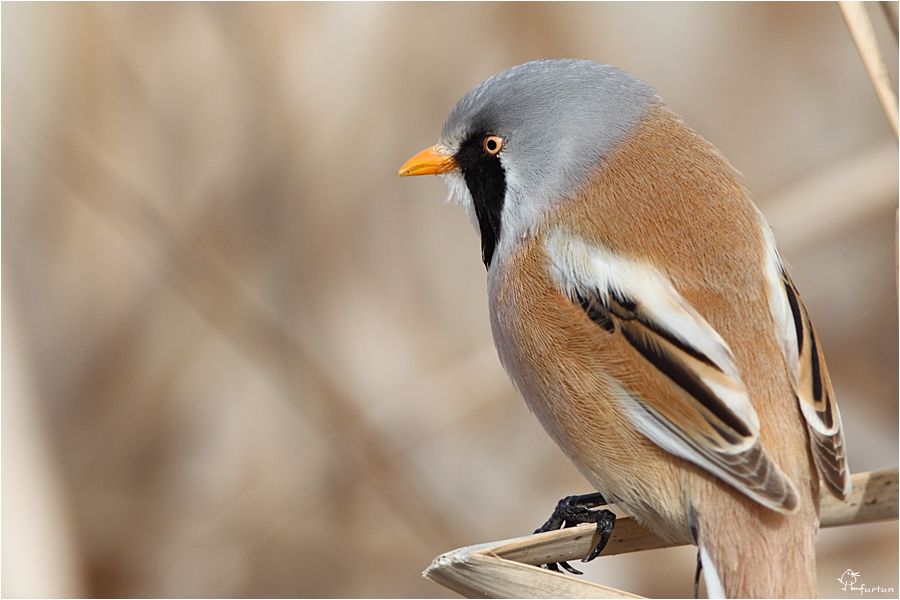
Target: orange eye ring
column 492, row 144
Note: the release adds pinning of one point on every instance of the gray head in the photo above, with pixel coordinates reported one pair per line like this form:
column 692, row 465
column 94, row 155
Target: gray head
column 556, row 119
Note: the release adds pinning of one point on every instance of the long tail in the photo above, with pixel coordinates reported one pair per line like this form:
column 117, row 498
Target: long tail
column 748, row 551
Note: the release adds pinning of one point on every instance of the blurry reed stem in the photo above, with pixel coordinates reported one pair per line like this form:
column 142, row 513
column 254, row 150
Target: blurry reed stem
column 861, row 29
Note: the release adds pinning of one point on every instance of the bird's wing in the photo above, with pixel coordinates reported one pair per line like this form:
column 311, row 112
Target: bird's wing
column 696, row 405
column 809, row 376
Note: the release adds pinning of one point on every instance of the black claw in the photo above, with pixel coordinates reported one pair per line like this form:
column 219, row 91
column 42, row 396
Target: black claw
column 606, row 520
column 574, row 510
column 570, row 568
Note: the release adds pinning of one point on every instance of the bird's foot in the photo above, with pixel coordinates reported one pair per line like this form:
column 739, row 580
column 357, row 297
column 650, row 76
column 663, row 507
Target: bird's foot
column 574, row 510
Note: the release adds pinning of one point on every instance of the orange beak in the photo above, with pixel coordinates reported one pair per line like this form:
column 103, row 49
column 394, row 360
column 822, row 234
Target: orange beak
column 430, row 161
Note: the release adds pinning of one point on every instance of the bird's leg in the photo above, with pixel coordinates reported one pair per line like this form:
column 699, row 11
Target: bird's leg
column 574, row 510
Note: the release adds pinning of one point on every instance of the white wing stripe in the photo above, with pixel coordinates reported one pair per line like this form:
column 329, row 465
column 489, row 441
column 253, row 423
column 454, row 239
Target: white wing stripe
column 785, row 327
column 575, row 264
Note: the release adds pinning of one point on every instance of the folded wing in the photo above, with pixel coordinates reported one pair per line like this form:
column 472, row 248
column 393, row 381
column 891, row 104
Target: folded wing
column 705, row 416
column 809, row 376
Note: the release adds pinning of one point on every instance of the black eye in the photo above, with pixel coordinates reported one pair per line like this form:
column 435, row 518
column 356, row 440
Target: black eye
column 492, row 144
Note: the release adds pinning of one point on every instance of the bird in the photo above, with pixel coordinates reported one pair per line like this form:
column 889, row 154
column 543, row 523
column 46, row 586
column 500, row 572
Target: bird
column 640, row 306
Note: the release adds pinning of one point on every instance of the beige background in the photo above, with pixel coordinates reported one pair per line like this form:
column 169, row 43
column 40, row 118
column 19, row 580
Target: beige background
column 241, row 358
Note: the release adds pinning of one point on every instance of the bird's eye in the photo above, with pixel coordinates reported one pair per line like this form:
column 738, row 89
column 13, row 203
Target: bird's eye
column 492, row 144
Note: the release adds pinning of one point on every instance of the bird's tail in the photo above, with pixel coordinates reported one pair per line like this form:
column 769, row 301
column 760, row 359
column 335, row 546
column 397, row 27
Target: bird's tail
column 757, row 553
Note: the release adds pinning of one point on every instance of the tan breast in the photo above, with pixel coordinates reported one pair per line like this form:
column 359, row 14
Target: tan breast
column 702, row 230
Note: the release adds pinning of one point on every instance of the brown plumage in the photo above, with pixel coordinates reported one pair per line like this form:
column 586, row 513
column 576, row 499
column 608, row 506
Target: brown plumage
column 639, row 305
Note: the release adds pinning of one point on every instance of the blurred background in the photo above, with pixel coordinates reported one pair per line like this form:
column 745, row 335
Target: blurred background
column 242, row 358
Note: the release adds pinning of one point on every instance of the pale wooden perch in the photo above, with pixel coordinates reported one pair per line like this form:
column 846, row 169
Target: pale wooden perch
column 506, row 569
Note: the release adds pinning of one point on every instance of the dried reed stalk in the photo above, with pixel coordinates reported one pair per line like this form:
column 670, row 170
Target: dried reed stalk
column 506, row 569
column 861, row 29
